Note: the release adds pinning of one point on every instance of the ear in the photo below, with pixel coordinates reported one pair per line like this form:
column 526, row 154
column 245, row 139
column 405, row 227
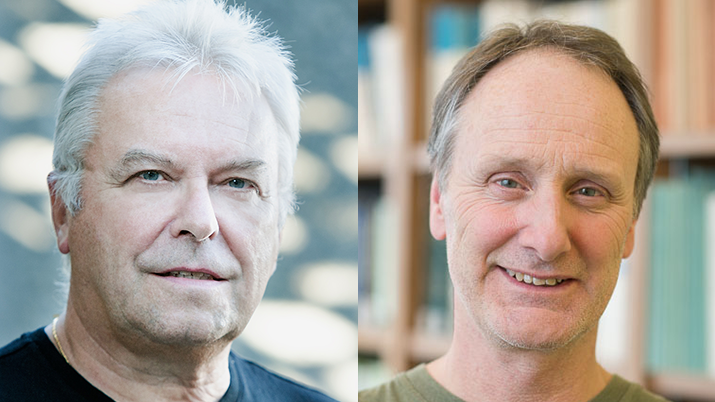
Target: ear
column 60, row 218
column 436, row 214
column 630, row 240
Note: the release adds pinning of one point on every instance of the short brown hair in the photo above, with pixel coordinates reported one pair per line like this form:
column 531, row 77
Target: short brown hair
column 587, row 45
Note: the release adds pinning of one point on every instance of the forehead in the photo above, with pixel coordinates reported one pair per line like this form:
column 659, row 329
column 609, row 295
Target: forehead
column 546, row 104
column 141, row 108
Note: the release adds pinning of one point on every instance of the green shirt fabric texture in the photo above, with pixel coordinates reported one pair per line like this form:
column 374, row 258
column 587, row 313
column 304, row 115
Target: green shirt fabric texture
column 417, row 385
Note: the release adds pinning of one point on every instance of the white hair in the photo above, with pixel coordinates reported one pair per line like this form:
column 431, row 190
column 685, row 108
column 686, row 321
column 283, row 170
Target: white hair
column 178, row 36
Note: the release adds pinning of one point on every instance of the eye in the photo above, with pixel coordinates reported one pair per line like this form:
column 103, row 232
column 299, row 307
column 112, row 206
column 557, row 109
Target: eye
column 150, row 175
column 508, row 183
column 238, row 183
column 588, row 192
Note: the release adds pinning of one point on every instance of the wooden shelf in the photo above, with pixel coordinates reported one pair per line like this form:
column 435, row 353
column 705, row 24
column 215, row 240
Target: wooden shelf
column 369, row 3
column 686, row 145
column 370, row 340
column 420, row 158
column 672, row 146
column 683, row 386
column 370, row 166
column 427, row 347
column 371, row 11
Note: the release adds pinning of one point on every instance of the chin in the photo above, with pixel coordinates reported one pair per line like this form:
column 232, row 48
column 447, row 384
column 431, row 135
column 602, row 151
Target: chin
column 534, row 342
column 183, row 329
column 535, row 334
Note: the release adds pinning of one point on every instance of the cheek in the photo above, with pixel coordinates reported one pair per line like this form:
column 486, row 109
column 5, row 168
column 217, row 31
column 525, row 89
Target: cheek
column 600, row 247
column 478, row 227
column 133, row 224
column 252, row 237
column 111, row 228
column 600, row 240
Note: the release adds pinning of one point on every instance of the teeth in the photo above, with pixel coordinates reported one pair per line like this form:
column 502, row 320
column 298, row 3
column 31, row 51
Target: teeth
column 532, row 280
column 191, row 275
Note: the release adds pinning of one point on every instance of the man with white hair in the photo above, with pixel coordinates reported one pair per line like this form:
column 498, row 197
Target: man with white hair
column 174, row 152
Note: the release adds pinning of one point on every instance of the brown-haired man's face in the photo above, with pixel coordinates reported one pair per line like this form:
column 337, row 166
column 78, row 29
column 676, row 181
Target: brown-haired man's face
column 540, row 191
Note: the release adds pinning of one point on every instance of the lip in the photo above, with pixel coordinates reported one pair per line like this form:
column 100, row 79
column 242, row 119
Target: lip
column 217, row 277
column 567, row 281
column 540, row 275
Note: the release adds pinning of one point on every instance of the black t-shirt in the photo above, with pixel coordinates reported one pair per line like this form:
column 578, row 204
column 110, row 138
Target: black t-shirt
column 31, row 369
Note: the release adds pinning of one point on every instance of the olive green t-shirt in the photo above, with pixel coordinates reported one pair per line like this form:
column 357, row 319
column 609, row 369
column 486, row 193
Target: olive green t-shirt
column 417, row 385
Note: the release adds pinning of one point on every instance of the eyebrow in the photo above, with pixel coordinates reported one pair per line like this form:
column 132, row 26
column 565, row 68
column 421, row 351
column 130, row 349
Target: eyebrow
column 243, row 165
column 138, row 156
column 135, row 157
column 508, row 163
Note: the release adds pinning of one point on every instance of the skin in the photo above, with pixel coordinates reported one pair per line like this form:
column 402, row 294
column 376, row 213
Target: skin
column 177, row 178
column 542, row 183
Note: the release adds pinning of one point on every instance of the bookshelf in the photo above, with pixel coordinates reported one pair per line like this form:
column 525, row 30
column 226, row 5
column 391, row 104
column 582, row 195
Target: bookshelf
column 400, row 166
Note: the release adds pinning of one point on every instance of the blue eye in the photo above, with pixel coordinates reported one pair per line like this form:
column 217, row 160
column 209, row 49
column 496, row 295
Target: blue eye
column 150, row 175
column 237, row 183
column 508, row 183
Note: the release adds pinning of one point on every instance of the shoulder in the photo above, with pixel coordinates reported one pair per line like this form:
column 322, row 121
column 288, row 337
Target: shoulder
column 621, row 390
column 263, row 384
column 415, row 385
column 17, row 351
column 20, row 362
column 16, row 345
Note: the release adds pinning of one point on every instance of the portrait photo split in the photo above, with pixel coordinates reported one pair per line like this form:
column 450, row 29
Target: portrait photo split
column 507, row 200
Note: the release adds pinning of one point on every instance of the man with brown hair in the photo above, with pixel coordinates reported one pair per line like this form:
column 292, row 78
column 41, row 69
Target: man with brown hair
column 542, row 148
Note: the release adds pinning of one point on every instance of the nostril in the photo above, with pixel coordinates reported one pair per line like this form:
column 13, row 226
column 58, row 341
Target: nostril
column 194, row 236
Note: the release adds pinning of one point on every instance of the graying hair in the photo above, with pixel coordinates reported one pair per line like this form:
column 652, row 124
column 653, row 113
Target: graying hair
column 588, row 46
column 180, row 37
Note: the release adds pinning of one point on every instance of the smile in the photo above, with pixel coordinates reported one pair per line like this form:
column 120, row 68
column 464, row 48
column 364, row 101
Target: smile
column 191, row 275
column 532, row 280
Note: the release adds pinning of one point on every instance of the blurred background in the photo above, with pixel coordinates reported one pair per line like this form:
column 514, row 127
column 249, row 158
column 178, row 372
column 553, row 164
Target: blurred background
column 306, row 326
column 659, row 327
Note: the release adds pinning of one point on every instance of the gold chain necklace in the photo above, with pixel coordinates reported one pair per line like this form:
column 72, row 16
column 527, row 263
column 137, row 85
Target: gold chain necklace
column 54, row 333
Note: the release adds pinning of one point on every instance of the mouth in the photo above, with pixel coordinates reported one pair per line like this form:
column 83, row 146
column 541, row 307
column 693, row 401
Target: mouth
column 534, row 280
column 202, row 275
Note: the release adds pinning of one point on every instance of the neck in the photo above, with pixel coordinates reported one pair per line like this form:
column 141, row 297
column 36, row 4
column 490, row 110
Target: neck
column 137, row 372
column 476, row 368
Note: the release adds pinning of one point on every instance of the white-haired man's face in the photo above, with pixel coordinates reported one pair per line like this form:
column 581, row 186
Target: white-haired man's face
column 179, row 228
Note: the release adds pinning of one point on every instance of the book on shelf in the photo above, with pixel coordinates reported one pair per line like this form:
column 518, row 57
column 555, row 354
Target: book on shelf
column 616, row 325
column 435, row 314
column 681, row 315
column 679, row 65
column 710, row 282
column 367, row 196
column 377, row 258
column 380, row 88
column 684, row 67
column 454, row 29
column 367, row 137
column 372, row 372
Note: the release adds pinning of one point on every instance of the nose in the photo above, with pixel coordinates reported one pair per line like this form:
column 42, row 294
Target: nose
column 195, row 215
column 545, row 226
